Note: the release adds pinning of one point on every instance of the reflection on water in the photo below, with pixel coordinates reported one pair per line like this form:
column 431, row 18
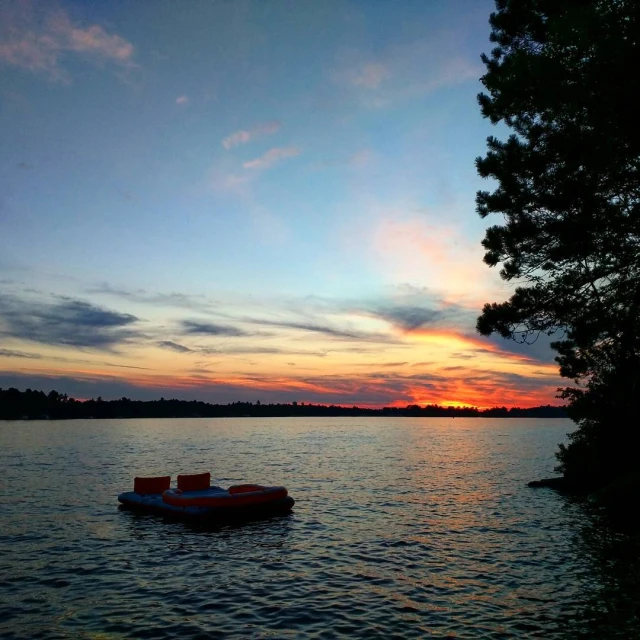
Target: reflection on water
column 402, row 528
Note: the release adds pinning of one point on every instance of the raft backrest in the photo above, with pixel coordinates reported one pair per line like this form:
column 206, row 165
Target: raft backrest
column 194, row 481
column 151, row 485
column 245, row 488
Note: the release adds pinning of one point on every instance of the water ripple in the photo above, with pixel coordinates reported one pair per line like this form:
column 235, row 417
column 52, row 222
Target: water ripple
column 402, row 528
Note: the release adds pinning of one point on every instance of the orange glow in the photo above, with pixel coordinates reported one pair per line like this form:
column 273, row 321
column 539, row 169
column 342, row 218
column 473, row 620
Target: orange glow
column 453, row 340
column 422, row 366
column 360, row 389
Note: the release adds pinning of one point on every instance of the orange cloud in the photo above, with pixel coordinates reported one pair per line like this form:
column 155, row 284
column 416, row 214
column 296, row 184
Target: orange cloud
column 483, row 392
column 408, row 248
column 453, row 341
column 458, row 387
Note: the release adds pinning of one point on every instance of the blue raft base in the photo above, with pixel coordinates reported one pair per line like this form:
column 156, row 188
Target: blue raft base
column 153, row 503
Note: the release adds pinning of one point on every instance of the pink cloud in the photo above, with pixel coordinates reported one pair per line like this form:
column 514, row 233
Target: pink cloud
column 243, row 136
column 361, row 158
column 362, row 75
column 370, row 76
column 40, row 44
column 405, row 70
column 228, row 182
column 182, row 100
column 271, row 157
column 425, row 249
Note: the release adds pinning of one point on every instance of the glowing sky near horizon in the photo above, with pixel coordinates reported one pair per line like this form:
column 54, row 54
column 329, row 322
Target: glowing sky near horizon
column 251, row 200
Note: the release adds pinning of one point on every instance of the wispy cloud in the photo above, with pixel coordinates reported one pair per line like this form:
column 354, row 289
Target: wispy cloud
column 271, row 157
column 418, row 247
column 246, row 135
column 196, row 328
column 410, row 318
column 381, row 365
column 377, row 388
column 10, row 353
column 405, row 70
column 369, row 75
column 182, row 100
column 362, row 158
column 216, row 351
column 142, row 296
column 174, row 346
column 40, row 40
column 234, row 183
column 67, row 322
column 327, row 330
column 94, row 363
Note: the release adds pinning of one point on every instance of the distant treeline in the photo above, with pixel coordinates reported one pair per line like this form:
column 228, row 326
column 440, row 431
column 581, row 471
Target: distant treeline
column 37, row 405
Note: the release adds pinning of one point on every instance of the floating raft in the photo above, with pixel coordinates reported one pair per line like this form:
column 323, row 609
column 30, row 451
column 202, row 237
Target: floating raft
column 194, row 497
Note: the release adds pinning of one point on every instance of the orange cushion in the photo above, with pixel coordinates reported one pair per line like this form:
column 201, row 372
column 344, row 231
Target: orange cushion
column 151, row 485
column 194, row 481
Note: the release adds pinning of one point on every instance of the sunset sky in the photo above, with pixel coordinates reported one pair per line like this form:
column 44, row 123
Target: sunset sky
column 252, row 200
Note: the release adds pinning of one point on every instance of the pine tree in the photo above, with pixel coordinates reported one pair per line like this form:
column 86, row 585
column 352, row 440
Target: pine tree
column 563, row 76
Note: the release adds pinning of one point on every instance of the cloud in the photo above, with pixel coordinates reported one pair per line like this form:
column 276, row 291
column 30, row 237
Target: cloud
column 385, row 385
column 81, row 386
column 10, row 353
column 174, row 346
column 142, row 296
column 246, row 135
column 369, row 75
column 228, row 182
column 463, row 356
column 410, row 318
column 412, row 67
column 67, row 322
column 182, row 100
column 257, row 351
column 539, row 350
column 418, row 247
column 271, row 157
column 39, row 39
column 382, row 365
column 195, row 328
column 326, row 330
column 94, row 363
column 24, row 165
column 359, row 159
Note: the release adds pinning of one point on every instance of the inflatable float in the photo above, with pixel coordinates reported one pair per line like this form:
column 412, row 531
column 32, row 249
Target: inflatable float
column 194, row 497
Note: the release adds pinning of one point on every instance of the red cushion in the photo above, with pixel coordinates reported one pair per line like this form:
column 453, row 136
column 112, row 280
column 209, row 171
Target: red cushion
column 245, row 488
column 151, row 485
column 194, row 481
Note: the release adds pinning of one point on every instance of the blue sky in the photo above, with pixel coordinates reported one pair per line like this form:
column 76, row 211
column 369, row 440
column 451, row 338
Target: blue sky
column 295, row 180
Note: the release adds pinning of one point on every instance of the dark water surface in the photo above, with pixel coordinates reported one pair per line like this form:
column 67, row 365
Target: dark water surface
column 402, row 528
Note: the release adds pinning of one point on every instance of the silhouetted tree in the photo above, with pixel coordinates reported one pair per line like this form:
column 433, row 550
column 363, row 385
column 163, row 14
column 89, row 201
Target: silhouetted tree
column 15, row 404
column 568, row 186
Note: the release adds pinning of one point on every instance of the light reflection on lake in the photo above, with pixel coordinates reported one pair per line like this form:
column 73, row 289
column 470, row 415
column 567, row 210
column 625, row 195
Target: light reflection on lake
column 402, row 528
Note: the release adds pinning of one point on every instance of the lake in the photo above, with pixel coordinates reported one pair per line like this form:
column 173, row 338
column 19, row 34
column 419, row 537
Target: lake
column 403, row 528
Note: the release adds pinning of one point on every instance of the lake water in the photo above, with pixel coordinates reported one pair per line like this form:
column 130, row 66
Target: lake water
column 402, row 528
